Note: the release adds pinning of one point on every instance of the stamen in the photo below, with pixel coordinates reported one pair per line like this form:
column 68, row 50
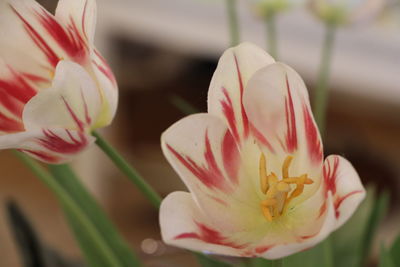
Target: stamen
column 285, row 166
column 263, row 174
column 277, row 192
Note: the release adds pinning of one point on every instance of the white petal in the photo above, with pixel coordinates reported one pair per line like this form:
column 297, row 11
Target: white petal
column 327, row 227
column 52, row 145
column 80, row 14
column 203, row 152
column 184, row 225
column 29, row 29
column 73, row 102
column 106, row 81
column 341, row 179
column 235, row 68
column 276, row 102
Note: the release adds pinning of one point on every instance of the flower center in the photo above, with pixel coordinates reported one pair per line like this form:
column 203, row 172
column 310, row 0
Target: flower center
column 279, row 193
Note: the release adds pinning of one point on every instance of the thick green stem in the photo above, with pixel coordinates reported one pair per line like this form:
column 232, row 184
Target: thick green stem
column 270, row 26
column 321, row 92
column 328, row 252
column 277, row 263
column 233, row 22
column 128, row 170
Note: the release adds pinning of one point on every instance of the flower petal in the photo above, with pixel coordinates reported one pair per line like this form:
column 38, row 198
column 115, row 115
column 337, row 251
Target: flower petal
column 16, row 88
column 108, row 84
column 78, row 14
column 184, row 225
column 52, row 145
column 203, row 152
column 341, row 179
column 276, row 102
column 73, row 102
column 235, row 68
column 277, row 92
column 29, row 28
column 304, row 243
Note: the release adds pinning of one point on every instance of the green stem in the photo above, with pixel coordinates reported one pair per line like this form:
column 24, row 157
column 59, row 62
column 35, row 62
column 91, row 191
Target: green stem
column 277, row 263
column 128, row 170
column 321, row 92
column 328, row 252
column 233, row 22
column 270, row 26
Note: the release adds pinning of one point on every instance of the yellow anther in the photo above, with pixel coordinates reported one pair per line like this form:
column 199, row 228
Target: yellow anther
column 285, row 167
column 283, row 187
column 269, row 202
column 279, row 193
column 263, row 174
column 267, row 213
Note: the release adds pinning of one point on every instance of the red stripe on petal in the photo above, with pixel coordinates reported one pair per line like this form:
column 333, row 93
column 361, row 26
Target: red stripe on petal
column 210, row 174
column 322, row 209
column 260, row 137
column 211, row 236
column 43, row 156
column 187, row 235
column 78, row 122
column 230, row 157
column 330, row 175
column 104, row 68
column 263, row 249
column 9, row 125
column 57, row 144
column 291, row 131
column 242, row 110
column 69, row 39
column 340, row 200
column 229, row 113
column 313, row 142
column 15, row 92
column 38, row 40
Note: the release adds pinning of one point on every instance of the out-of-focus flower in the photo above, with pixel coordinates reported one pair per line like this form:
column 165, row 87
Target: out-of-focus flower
column 254, row 166
column 55, row 87
column 265, row 8
column 346, row 11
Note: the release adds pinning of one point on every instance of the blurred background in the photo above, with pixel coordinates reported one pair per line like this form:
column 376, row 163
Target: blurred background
column 162, row 49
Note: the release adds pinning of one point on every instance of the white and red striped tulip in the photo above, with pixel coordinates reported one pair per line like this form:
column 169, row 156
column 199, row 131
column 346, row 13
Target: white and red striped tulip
column 259, row 186
column 55, row 87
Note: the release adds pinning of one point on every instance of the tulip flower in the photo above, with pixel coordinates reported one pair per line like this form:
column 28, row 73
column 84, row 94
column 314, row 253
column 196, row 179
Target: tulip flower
column 341, row 12
column 55, row 87
column 259, row 186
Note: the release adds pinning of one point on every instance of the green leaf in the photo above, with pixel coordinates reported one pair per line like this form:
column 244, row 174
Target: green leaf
column 96, row 235
column 385, row 259
column 378, row 212
column 210, row 262
column 347, row 240
column 395, row 251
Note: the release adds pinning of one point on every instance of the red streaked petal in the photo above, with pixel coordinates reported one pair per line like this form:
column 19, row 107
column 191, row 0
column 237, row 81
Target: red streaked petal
column 184, row 225
column 79, row 14
column 343, row 182
column 235, row 68
column 53, row 145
